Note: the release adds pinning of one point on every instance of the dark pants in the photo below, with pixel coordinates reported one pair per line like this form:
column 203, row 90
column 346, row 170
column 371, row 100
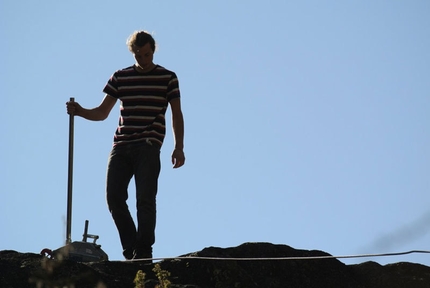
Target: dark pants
column 143, row 162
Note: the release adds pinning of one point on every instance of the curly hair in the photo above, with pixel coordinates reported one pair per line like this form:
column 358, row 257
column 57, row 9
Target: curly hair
column 139, row 39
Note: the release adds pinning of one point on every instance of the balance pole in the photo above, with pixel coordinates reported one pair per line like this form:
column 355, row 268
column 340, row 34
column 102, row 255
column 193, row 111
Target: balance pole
column 70, row 179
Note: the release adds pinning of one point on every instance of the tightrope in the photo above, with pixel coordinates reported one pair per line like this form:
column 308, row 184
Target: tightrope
column 282, row 258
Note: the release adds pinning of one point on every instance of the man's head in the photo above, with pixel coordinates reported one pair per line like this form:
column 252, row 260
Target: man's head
column 142, row 45
column 139, row 39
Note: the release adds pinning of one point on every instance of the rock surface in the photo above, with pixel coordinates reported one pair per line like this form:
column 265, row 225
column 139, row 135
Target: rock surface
column 33, row 270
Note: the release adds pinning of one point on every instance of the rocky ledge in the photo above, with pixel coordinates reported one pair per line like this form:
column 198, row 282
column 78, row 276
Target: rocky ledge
column 34, row 270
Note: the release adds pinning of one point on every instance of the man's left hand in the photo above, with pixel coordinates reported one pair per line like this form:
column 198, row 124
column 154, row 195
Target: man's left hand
column 178, row 158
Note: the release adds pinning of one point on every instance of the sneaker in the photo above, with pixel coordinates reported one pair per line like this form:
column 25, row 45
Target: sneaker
column 142, row 256
column 128, row 253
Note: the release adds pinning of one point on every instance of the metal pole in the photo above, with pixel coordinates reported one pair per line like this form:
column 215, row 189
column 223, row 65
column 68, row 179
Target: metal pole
column 70, row 179
column 84, row 239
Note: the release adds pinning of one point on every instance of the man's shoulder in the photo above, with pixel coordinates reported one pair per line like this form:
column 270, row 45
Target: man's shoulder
column 126, row 70
column 162, row 70
column 157, row 71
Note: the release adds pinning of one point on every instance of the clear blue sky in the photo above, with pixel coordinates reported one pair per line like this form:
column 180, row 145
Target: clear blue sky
column 307, row 123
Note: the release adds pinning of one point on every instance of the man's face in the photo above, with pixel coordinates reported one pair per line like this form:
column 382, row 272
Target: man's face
column 143, row 55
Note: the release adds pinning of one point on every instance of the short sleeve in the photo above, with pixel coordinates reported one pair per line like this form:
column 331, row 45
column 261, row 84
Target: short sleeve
column 173, row 88
column 111, row 87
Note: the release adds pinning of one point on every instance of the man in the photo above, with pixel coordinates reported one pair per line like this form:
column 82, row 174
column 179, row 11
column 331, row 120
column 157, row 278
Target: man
column 145, row 90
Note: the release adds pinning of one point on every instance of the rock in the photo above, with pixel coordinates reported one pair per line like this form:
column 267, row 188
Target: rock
column 33, row 270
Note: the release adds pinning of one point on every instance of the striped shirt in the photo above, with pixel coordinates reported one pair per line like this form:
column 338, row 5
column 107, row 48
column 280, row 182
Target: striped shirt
column 144, row 98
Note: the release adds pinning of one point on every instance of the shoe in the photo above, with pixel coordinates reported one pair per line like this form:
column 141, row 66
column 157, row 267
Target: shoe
column 128, row 254
column 142, row 256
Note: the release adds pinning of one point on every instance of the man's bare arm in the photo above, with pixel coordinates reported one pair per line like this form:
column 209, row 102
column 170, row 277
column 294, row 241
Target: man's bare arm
column 98, row 113
column 178, row 157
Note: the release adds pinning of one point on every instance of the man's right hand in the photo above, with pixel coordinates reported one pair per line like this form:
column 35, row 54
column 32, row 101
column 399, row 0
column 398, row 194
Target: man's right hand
column 73, row 108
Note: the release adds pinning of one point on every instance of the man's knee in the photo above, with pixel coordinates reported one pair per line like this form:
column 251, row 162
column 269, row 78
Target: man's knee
column 115, row 203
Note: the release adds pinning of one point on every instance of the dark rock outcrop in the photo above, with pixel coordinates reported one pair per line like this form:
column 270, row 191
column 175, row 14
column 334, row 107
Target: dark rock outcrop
column 33, row 270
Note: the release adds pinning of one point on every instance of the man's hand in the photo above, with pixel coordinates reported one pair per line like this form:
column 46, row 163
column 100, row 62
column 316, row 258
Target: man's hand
column 178, row 158
column 73, row 108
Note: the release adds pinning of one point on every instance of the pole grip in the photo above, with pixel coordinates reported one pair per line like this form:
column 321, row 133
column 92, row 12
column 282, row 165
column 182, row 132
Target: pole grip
column 70, row 178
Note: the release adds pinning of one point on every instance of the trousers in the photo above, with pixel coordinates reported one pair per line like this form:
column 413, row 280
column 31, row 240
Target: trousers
column 143, row 162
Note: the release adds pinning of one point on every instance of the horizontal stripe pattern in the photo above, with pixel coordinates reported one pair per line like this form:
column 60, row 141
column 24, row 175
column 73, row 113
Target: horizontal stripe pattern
column 144, row 98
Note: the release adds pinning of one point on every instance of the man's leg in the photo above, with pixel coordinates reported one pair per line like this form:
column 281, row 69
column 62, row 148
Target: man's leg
column 147, row 170
column 119, row 173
